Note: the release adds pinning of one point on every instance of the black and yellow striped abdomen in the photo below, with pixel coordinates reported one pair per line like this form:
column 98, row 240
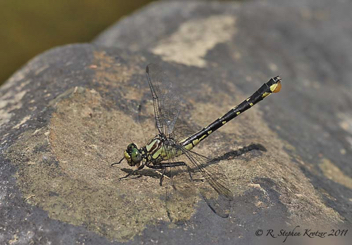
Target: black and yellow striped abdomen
column 272, row 86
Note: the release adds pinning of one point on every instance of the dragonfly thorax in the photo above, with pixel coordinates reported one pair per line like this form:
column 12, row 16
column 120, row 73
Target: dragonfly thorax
column 161, row 148
column 158, row 149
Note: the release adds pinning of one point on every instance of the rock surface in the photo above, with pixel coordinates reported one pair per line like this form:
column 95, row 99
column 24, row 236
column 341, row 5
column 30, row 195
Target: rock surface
column 70, row 112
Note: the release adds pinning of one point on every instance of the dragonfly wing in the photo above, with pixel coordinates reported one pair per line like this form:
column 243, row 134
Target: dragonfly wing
column 214, row 188
column 169, row 109
column 166, row 102
column 181, row 195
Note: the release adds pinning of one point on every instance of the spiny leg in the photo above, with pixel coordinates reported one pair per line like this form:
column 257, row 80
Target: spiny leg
column 176, row 164
column 170, row 165
column 162, row 176
column 132, row 173
column 112, row 164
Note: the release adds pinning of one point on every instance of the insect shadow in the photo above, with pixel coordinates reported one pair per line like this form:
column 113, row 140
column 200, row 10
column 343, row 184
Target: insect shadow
column 227, row 156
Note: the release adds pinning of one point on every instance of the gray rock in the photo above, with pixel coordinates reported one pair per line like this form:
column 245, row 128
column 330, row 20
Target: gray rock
column 71, row 112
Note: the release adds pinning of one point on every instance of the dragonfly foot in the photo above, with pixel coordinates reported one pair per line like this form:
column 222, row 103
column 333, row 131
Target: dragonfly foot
column 128, row 175
column 162, row 176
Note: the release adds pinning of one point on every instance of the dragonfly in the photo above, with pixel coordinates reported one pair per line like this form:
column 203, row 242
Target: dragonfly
column 163, row 151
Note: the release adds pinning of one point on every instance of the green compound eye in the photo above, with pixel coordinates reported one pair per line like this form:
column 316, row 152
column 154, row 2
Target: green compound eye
column 133, row 155
column 131, row 146
column 136, row 156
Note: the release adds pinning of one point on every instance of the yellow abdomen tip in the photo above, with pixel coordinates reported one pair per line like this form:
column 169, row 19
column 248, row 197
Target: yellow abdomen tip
column 277, row 88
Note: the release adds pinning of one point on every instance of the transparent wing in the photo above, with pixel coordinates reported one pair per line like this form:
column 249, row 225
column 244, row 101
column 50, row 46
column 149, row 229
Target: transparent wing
column 165, row 101
column 181, row 194
column 169, row 109
column 214, row 189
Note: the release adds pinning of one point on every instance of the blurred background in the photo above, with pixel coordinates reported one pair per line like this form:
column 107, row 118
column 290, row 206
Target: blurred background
column 28, row 28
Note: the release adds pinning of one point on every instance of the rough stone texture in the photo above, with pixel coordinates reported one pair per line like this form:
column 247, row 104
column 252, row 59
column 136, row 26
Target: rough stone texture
column 70, row 112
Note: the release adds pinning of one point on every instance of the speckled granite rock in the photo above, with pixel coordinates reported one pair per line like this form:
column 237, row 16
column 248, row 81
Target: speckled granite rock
column 68, row 114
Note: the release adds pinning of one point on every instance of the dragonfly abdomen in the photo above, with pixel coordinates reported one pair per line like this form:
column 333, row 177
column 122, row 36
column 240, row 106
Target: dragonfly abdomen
column 272, row 86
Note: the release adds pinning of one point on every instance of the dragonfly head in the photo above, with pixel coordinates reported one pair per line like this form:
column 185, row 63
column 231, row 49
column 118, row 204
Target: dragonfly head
column 133, row 155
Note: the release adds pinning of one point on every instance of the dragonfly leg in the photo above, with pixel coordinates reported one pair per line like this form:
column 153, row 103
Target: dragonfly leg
column 168, row 165
column 117, row 162
column 175, row 164
column 189, row 172
column 162, row 173
column 132, row 173
column 162, row 176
